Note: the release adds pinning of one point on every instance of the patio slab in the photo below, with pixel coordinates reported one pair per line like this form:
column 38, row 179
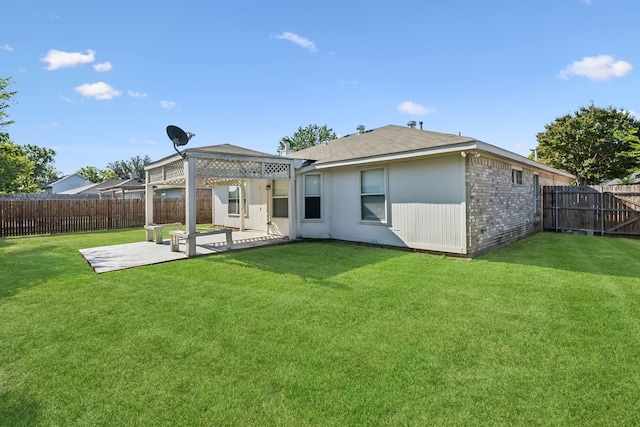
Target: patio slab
column 118, row 257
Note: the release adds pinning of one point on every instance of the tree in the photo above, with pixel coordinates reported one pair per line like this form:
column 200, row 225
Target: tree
column 595, row 144
column 5, row 100
column 94, row 174
column 125, row 168
column 307, row 137
column 15, row 168
column 43, row 159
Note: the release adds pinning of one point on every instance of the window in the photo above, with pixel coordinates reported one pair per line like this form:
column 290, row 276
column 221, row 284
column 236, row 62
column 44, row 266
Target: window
column 312, row 197
column 536, row 194
column 280, row 198
column 516, row 176
column 373, row 206
column 234, row 201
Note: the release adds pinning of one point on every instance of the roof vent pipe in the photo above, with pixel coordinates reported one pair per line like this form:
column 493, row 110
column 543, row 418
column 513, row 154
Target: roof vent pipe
column 360, row 129
column 420, row 123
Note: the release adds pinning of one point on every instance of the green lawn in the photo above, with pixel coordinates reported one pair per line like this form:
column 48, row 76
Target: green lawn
column 543, row 332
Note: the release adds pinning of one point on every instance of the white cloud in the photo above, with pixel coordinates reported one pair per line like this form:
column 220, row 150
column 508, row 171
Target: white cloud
column 412, row 108
column 133, row 94
column 144, row 141
column 100, row 91
column 59, row 59
column 601, row 67
column 102, row 67
column 167, row 104
column 296, row 39
column 6, row 47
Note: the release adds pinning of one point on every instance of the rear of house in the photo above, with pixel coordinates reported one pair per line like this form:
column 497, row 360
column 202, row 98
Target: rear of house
column 424, row 190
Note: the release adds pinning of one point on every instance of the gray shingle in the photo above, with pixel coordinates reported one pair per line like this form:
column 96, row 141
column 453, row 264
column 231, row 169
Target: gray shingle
column 391, row 139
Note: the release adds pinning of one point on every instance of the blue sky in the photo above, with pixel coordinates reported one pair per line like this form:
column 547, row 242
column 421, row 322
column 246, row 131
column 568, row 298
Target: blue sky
column 100, row 81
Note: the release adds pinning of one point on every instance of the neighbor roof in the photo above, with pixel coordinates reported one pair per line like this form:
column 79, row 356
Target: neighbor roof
column 391, row 139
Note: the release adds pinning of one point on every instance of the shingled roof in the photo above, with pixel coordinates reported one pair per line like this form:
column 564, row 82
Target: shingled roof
column 391, row 139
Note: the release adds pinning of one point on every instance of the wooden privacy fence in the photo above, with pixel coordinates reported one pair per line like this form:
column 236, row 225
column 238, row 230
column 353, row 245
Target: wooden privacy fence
column 604, row 210
column 30, row 217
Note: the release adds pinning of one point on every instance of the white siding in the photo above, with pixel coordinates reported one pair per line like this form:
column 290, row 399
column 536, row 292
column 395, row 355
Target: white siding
column 256, row 195
column 425, row 206
column 428, row 203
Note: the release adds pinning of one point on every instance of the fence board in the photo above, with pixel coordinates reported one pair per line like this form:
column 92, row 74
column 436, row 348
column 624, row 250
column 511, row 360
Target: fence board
column 605, row 210
column 51, row 216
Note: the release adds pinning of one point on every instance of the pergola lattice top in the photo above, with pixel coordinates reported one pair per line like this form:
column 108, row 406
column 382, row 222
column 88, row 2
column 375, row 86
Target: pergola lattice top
column 219, row 165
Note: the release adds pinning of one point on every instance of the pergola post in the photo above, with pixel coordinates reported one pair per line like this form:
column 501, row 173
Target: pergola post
column 293, row 221
column 148, row 204
column 241, row 195
column 190, row 172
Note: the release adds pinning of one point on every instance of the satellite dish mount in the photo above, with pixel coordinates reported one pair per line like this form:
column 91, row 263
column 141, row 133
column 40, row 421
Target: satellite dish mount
column 179, row 138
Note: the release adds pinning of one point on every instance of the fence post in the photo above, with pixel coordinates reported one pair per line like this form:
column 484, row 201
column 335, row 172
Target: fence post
column 555, row 208
column 601, row 210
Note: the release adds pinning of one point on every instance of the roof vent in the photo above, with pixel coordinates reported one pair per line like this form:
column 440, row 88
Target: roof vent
column 360, row 128
column 411, row 124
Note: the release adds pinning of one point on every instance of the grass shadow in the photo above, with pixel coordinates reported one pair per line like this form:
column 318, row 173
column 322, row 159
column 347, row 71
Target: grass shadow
column 611, row 256
column 317, row 262
column 18, row 409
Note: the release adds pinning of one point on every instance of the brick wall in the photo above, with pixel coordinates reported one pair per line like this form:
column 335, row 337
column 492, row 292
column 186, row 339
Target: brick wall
column 500, row 211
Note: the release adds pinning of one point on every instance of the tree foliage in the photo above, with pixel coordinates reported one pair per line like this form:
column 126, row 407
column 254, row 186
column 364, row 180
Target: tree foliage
column 23, row 168
column 307, row 137
column 15, row 169
column 595, row 144
column 6, row 98
column 94, row 174
column 43, row 160
column 124, row 169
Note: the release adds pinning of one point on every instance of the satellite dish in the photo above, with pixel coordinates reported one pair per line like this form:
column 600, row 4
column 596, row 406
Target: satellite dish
column 178, row 137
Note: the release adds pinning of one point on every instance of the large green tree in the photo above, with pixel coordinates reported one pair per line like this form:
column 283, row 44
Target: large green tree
column 595, row 144
column 307, row 137
column 134, row 166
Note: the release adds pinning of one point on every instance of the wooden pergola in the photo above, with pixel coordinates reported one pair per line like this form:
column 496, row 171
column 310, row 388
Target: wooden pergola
column 218, row 165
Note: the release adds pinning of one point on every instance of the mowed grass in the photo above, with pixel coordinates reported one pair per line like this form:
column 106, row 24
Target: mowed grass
column 543, row 332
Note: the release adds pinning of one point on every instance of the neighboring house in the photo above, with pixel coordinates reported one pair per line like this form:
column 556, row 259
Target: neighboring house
column 132, row 188
column 94, row 188
column 632, row 179
column 394, row 185
column 66, row 183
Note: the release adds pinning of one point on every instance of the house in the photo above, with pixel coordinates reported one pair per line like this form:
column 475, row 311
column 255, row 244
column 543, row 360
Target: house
column 132, row 188
column 66, row 183
column 394, row 185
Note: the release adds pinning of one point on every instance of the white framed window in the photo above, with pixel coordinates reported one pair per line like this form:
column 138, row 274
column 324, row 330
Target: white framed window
column 234, row 201
column 312, row 197
column 516, row 176
column 280, row 198
column 373, row 195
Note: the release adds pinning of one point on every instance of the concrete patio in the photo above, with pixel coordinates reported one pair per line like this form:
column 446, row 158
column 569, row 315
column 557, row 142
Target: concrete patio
column 118, row 257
